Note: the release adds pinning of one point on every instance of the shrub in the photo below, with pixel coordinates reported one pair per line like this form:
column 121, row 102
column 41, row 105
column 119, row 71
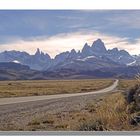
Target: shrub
column 131, row 94
column 92, row 126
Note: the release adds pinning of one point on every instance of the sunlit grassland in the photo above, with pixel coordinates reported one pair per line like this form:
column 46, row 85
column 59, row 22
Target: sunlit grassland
column 50, row 87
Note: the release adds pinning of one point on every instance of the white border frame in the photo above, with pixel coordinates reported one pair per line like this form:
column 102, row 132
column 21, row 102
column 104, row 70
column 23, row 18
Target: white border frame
column 70, row 4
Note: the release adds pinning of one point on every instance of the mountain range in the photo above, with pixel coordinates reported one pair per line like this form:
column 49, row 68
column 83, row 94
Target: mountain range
column 93, row 61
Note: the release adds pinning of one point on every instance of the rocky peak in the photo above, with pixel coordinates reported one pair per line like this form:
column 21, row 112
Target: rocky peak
column 39, row 55
column 113, row 51
column 37, row 52
column 125, row 53
column 42, row 53
column 86, row 51
column 98, row 46
column 73, row 54
column 73, row 51
column 85, row 48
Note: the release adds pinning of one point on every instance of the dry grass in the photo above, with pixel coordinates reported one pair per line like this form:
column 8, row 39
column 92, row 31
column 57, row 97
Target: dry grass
column 127, row 84
column 110, row 114
column 49, row 87
column 106, row 114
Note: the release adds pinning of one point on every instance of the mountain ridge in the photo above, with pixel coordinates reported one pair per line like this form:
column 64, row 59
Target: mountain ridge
column 41, row 61
column 94, row 61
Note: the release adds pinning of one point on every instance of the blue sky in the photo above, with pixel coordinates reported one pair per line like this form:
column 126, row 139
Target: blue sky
column 56, row 31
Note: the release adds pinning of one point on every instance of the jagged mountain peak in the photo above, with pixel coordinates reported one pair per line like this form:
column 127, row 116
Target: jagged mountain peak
column 98, row 40
column 86, row 47
column 124, row 52
column 37, row 52
column 115, row 49
column 42, row 53
column 73, row 51
column 98, row 46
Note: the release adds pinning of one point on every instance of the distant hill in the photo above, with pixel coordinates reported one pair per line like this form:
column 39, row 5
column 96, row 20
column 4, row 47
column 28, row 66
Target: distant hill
column 14, row 71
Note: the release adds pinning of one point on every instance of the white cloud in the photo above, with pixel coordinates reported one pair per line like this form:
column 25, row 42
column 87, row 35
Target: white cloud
column 65, row 42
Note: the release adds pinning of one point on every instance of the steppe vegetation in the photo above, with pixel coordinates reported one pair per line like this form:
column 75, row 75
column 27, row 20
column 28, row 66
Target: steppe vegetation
column 49, row 87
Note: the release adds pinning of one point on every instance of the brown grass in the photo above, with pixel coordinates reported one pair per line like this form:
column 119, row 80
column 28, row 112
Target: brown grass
column 49, row 87
column 127, row 84
column 107, row 114
column 110, row 114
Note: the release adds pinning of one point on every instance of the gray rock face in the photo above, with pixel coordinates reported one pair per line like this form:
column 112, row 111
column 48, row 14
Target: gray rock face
column 137, row 58
column 98, row 46
column 120, row 56
column 86, row 51
column 39, row 60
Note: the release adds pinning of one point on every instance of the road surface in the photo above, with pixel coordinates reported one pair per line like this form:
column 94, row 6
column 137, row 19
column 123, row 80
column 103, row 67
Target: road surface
column 13, row 100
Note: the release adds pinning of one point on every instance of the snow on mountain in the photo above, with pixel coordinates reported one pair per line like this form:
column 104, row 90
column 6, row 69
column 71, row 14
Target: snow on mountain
column 132, row 63
column 86, row 58
column 120, row 57
column 16, row 61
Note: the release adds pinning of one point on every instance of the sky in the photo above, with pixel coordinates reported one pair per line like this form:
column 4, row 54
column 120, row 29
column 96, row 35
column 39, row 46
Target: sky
column 56, row 31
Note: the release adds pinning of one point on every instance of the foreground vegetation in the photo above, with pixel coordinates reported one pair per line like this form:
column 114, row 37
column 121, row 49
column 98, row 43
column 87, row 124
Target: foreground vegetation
column 126, row 84
column 49, row 87
column 109, row 113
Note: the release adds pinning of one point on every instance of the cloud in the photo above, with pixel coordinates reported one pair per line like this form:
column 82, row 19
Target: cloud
column 128, row 19
column 70, row 17
column 67, row 41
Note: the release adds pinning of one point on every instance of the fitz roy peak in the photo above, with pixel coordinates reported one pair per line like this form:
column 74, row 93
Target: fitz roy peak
column 98, row 47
